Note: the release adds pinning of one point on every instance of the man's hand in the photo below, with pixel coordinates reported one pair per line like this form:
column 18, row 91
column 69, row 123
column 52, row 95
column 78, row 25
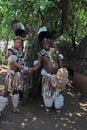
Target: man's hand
column 30, row 70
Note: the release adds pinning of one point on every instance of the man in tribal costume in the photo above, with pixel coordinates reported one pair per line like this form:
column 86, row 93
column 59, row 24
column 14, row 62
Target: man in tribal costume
column 14, row 79
column 50, row 60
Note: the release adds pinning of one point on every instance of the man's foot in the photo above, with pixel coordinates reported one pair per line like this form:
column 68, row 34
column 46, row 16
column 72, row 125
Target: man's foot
column 58, row 110
column 16, row 110
column 48, row 109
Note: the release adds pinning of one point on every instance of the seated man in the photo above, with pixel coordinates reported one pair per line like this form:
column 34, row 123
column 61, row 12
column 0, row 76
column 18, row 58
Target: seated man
column 50, row 61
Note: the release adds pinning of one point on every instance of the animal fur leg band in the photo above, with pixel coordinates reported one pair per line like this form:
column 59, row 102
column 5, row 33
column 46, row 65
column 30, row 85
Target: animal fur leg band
column 3, row 103
column 15, row 100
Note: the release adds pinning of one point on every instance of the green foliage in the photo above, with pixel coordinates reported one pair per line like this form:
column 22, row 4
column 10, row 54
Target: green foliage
column 36, row 13
column 76, row 23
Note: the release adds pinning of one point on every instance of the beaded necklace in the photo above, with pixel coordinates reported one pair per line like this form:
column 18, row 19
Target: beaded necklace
column 48, row 53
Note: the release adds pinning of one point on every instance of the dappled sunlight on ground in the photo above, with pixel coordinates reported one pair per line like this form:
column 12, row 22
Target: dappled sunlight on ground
column 72, row 117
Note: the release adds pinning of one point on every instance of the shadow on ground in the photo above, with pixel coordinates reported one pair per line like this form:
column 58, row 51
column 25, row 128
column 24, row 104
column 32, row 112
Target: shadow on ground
column 72, row 117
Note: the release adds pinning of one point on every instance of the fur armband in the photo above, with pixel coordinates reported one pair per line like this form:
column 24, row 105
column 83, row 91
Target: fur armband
column 61, row 56
column 35, row 62
column 12, row 58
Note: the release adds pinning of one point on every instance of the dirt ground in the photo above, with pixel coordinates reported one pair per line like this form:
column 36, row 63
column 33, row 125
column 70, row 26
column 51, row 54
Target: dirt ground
column 72, row 117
